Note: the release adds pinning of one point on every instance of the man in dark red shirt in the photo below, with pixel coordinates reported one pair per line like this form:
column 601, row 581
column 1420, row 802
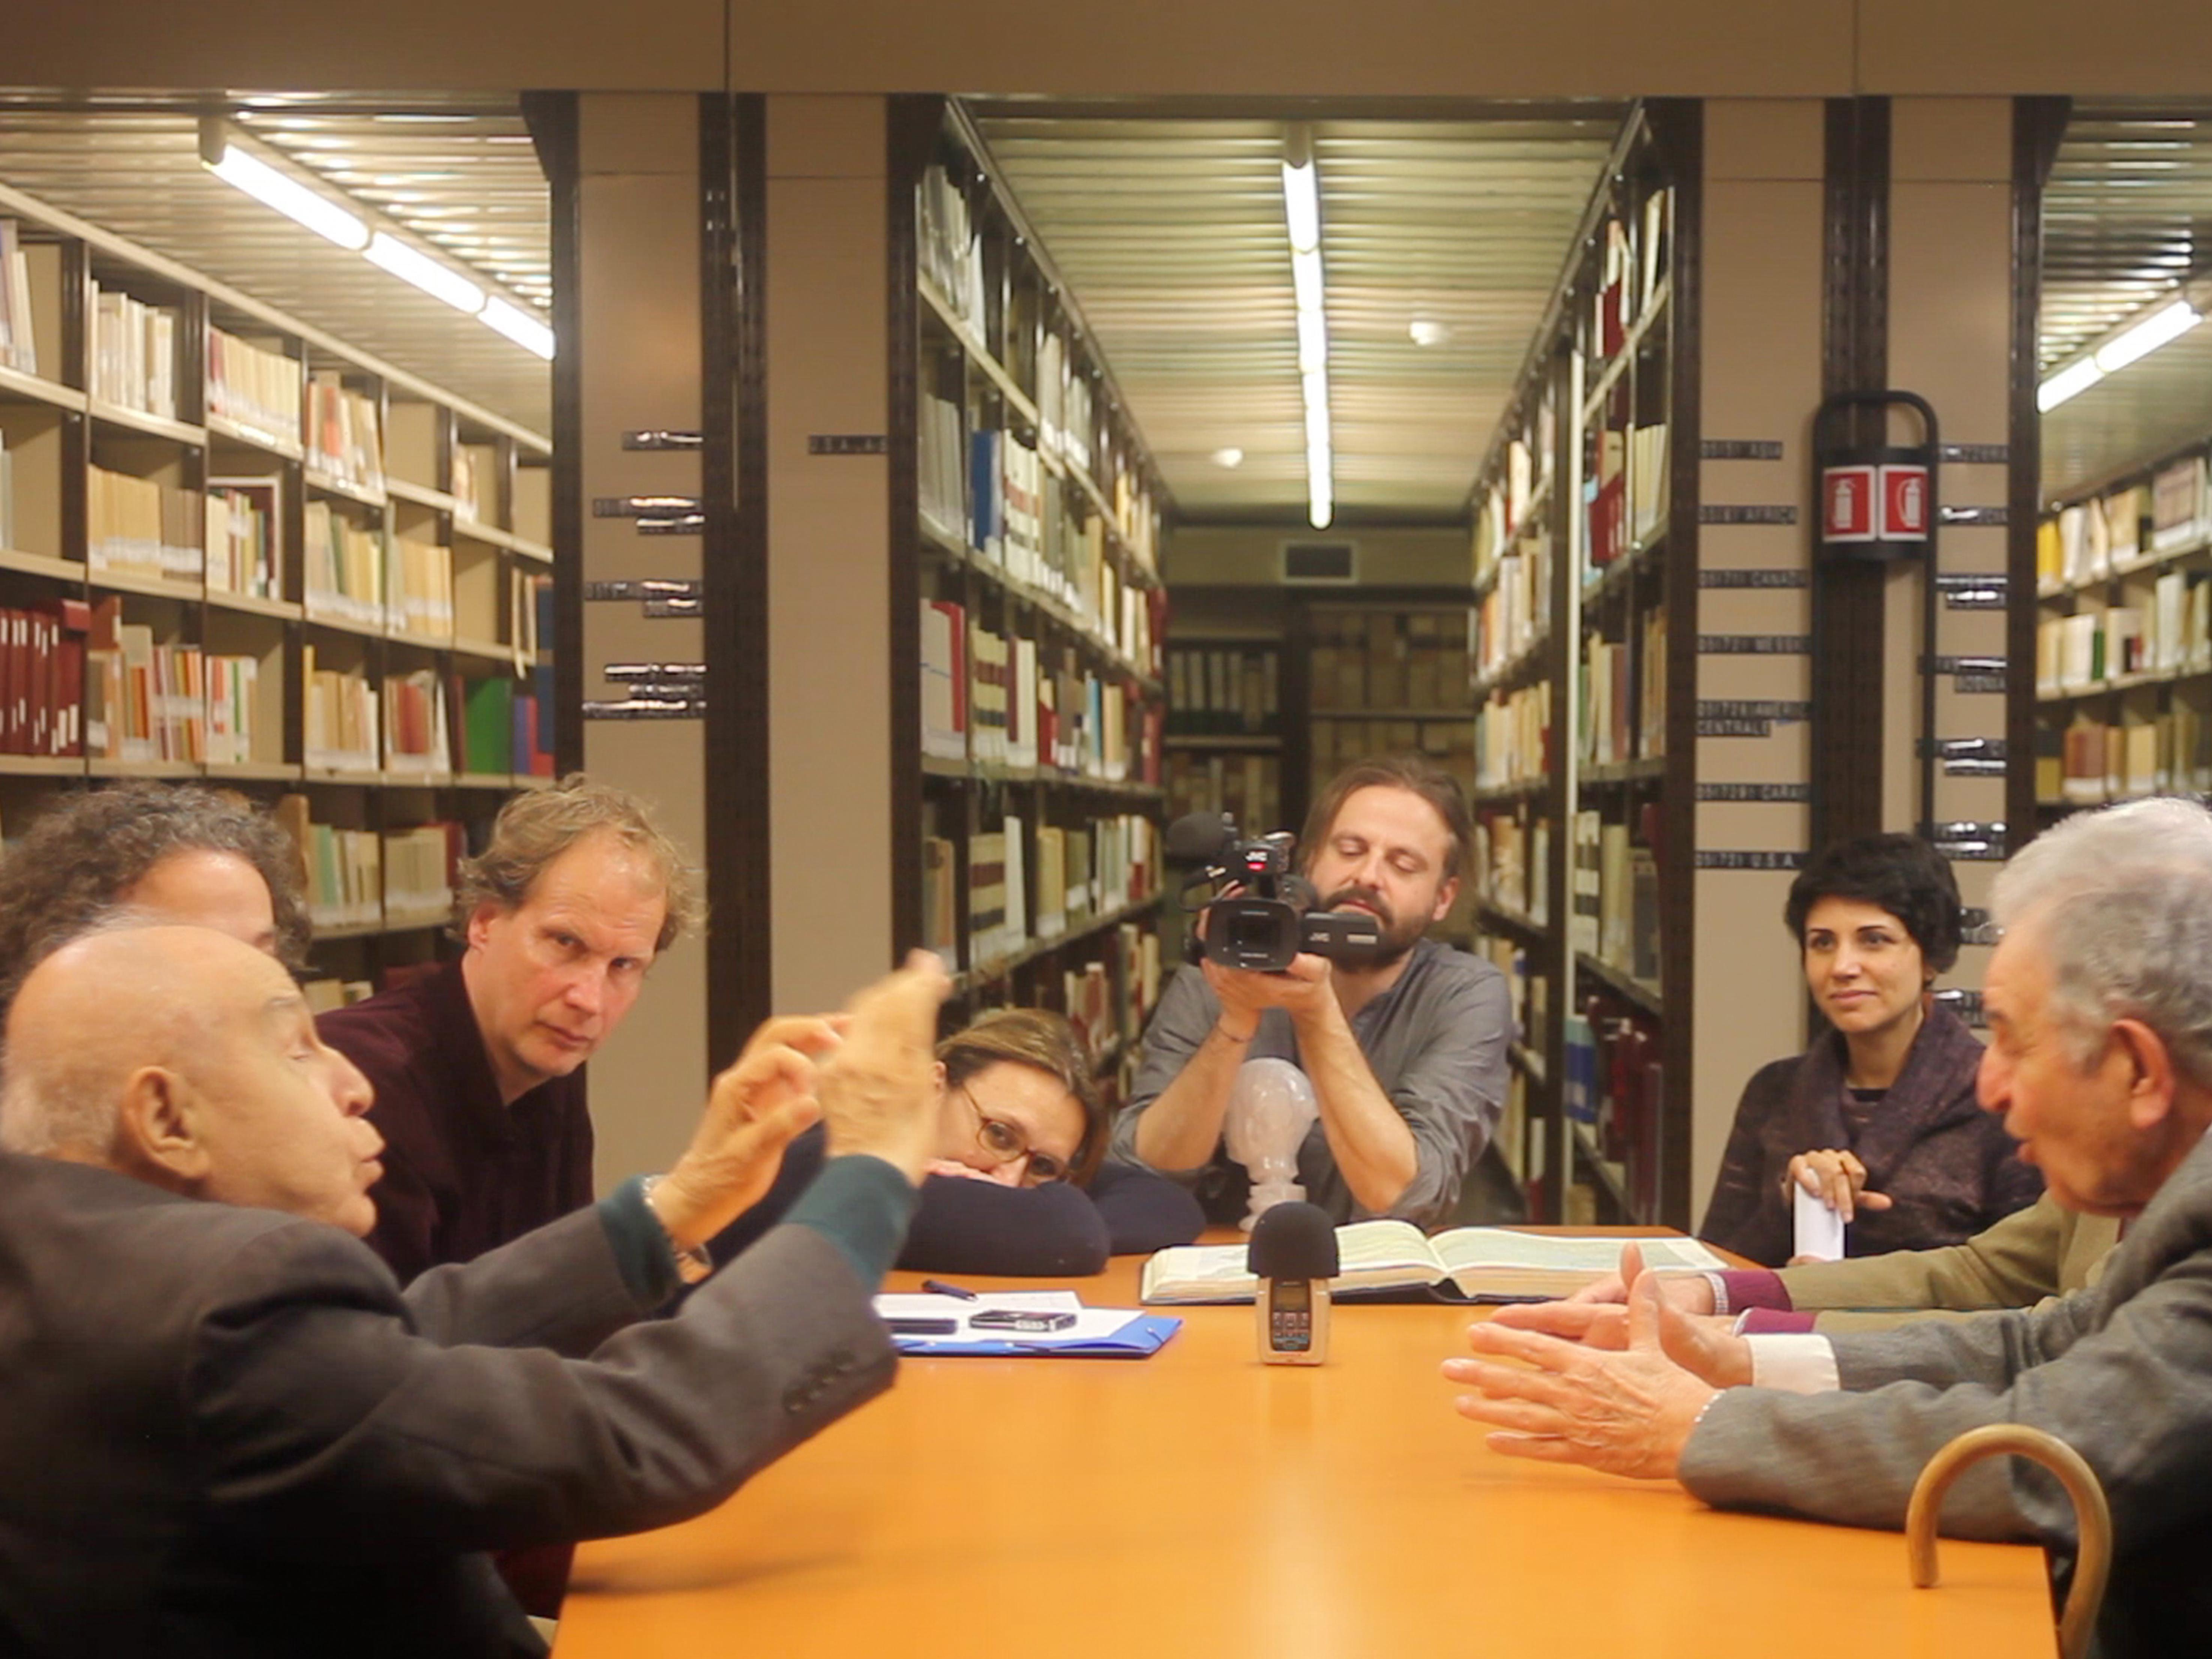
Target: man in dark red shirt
column 474, row 1063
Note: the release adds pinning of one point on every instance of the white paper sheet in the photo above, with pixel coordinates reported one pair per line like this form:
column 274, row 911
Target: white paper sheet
column 1820, row 1229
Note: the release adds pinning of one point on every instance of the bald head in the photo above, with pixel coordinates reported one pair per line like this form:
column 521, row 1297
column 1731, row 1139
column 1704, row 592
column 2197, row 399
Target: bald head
column 189, row 1060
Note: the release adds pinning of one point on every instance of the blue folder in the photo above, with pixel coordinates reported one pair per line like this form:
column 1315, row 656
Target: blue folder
column 1143, row 1336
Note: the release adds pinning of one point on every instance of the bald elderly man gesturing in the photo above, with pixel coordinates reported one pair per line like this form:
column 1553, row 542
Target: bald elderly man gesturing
column 223, row 1429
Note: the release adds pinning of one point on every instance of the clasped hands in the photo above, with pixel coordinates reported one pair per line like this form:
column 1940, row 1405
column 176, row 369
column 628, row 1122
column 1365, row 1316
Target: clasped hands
column 1614, row 1384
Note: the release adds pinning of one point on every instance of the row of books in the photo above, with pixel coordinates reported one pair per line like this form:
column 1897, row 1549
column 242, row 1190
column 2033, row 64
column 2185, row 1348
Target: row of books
column 19, row 333
column 1011, row 701
column 143, row 527
column 7, row 494
column 1634, row 265
column 988, row 490
column 1513, row 738
column 1079, row 874
column 2171, row 634
column 134, row 354
column 1615, row 1089
column 1224, row 690
column 422, row 866
column 1513, row 855
column 947, row 248
column 242, row 519
column 1504, row 513
column 254, row 386
column 2093, row 760
column 1388, row 660
column 1333, row 745
column 1625, row 496
column 2088, row 540
column 425, row 721
column 1248, row 787
column 1616, row 893
column 1527, row 992
column 1622, row 712
column 422, row 588
column 42, row 679
column 149, row 702
column 344, row 437
column 342, row 570
column 1514, row 614
column 341, row 723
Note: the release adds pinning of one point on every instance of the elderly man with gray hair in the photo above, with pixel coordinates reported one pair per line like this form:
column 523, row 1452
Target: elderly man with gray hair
column 2099, row 1008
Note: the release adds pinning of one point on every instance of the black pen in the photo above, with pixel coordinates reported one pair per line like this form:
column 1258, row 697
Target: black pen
column 939, row 1287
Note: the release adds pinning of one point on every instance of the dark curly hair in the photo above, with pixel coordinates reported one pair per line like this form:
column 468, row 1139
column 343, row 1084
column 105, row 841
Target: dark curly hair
column 1903, row 874
column 83, row 853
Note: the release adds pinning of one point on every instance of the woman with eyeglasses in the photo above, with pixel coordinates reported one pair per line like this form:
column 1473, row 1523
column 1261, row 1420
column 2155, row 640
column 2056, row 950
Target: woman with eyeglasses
column 1020, row 1185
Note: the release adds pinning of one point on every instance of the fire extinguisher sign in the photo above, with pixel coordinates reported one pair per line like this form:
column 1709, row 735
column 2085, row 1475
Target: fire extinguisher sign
column 1847, row 502
column 1904, row 503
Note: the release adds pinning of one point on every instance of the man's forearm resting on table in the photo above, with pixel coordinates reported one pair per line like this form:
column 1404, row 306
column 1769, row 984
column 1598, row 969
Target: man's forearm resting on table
column 1181, row 1128
column 1367, row 1135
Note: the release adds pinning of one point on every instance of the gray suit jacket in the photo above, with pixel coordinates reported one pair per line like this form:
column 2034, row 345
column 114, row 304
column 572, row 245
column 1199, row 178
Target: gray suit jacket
column 2121, row 1372
column 224, row 1430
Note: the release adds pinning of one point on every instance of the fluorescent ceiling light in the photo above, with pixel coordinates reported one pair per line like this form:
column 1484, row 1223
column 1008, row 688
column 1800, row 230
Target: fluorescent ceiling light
column 439, row 282
column 1305, row 278
column 2132, row 341
column 1302, row 207
column 2147, row 336
column 519, row 326
column 2075, row 378
column 1313, row 341
column 271, row 188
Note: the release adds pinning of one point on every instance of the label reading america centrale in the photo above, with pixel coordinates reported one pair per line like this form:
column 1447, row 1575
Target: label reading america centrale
column 1716, row 859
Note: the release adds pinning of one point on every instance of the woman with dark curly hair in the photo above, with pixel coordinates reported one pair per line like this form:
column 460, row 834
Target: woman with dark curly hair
column 1879, row 1117
column 182, row 852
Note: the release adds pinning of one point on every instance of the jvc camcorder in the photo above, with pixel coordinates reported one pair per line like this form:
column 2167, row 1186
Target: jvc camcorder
column 1258, row 913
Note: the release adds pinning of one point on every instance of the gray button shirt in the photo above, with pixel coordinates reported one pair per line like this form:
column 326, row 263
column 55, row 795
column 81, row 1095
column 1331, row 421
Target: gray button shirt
column 1435, row 1041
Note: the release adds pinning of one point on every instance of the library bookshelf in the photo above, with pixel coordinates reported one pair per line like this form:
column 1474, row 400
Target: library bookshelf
column 1028, row 611
column 2123, row 638
column 235, row 549
column 1584, row 669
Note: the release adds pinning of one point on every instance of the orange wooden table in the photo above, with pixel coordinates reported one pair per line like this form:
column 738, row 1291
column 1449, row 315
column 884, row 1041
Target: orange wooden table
column 1200, row 1503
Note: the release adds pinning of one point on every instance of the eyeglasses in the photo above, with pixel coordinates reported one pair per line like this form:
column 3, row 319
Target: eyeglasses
column 1005, row 1143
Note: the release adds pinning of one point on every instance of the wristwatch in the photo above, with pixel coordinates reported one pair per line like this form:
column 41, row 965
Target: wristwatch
column 692, row 1265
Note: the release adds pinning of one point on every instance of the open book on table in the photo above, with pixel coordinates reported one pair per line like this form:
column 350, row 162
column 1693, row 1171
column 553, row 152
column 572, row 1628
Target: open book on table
column 1467, row 1264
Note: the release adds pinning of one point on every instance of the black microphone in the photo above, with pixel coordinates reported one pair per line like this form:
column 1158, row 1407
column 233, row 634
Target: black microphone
column 1293, row 1255
column 1199, row 837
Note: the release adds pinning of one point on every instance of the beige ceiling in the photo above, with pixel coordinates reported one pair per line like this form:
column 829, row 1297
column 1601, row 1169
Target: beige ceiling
column 459, row 174
column 1170, row 234
column 2127, row 216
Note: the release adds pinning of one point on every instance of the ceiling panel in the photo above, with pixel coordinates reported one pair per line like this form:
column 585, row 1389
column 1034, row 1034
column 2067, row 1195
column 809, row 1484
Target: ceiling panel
column 462, row 175
column 1170, row 234
column 2127, row 217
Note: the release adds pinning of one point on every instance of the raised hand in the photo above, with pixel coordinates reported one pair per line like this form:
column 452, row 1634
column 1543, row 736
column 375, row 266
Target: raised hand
column 877, row 1092
column 754, row 1109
